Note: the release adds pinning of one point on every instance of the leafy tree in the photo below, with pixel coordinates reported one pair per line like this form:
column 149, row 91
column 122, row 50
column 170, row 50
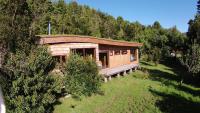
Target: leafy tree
column 176, row 40
column 156, row 25
column 81, row 76
column 192, row 59
column 194, row 30
column 28, row 86
column 156, row 54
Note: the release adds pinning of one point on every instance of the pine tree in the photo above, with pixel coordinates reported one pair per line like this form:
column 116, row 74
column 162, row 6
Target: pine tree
column 198, row 7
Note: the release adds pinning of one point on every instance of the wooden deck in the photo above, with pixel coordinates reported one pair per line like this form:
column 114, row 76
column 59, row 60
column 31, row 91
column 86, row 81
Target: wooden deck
column 112, row 71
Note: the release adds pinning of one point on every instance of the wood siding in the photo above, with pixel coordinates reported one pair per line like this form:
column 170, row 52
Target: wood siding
column 119, row 59
column 64, row 49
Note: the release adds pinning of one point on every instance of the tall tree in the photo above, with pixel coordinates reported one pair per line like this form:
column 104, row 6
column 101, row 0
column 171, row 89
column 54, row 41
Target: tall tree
column 198, row 6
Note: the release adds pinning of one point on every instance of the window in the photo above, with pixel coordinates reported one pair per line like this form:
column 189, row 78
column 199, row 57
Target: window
column 117, row 52
column 132, row 55
column 124, row 52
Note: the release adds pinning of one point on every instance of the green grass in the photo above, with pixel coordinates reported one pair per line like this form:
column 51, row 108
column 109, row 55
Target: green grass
column 156, row 91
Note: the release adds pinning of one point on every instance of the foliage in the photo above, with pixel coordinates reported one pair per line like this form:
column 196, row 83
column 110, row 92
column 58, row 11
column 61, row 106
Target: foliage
column 192, row 59
column 194, row 30
column 138, row 94
column 198, row 6
column 72, row 18
column 81, row 76
column 29, row 87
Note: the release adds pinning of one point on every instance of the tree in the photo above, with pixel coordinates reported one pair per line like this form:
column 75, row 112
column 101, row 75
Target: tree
column 27, row 84
column 198, row 6
column 192, row 59
column 194, row 30
column 157, row 25
column 81, row 76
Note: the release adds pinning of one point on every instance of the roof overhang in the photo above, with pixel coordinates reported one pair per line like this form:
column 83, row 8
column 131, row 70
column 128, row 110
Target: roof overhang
column 54, row 39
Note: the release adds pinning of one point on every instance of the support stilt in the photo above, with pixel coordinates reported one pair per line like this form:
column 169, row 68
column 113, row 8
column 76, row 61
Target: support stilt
column 124, row 73
column 131, row 70
column 105, row 79
column 109, row 78
column 118, row 75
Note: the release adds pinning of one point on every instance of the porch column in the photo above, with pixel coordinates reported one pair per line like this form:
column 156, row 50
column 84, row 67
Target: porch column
column 137, row 55
column 97, row 53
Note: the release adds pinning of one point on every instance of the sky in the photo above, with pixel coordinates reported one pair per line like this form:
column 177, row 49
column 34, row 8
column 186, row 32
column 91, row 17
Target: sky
column 168, row 12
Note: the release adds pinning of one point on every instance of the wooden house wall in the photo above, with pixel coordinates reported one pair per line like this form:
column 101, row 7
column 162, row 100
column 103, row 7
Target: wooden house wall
column 119, row 59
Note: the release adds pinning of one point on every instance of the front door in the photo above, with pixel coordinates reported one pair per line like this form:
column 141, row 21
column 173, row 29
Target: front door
column 103, row 57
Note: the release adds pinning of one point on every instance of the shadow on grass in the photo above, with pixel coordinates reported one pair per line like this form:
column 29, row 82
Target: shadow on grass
column 184, row 88
column 181, row 71
column 189, row 90
column 174, row 103
column 146, row 63
column 162, row 76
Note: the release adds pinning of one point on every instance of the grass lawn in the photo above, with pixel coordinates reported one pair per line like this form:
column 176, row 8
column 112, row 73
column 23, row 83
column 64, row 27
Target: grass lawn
column 156, row 91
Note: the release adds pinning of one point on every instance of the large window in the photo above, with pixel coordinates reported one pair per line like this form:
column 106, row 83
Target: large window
column 133, row 56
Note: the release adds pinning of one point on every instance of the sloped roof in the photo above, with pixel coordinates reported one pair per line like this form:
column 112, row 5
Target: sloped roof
column 53, row 39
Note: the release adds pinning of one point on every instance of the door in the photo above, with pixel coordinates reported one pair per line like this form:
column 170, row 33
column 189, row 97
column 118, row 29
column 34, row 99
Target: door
column 103, row 57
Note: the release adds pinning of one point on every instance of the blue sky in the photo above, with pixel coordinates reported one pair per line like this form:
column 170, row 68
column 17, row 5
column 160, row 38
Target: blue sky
column 168, row 12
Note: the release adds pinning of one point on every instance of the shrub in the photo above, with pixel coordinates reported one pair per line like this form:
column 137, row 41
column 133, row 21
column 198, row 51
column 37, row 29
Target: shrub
column 143, row 73
column 81, row 76
column 29, row 88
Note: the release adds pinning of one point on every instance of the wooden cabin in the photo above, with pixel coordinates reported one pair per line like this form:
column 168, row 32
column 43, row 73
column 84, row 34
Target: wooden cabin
column 112, row 56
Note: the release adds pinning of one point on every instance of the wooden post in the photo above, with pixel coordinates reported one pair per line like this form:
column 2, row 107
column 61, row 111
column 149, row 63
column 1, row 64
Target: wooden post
column 61, row 60
column 118, row 75
column 104, row 61
column 137, row 55
column 131, row 70
column 109, row 78
column 94, row 54
column 83, row 52
column 105, row 79
column 124, row 73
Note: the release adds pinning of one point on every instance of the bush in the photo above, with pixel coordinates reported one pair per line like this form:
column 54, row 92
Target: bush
column 142, row 73
column 29, row 88
column 81, row 76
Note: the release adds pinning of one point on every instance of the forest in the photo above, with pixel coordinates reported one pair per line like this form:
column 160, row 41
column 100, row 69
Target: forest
column 25, row 66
